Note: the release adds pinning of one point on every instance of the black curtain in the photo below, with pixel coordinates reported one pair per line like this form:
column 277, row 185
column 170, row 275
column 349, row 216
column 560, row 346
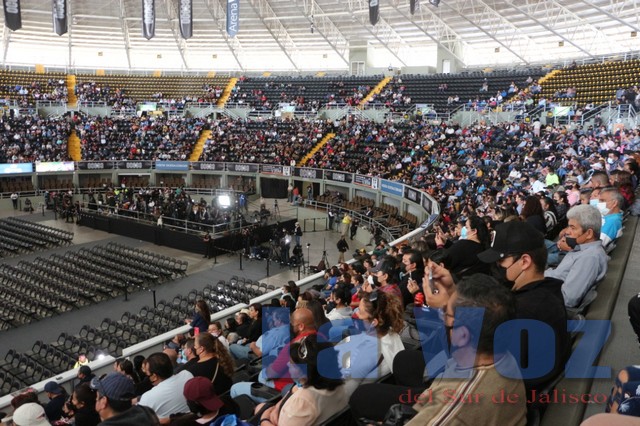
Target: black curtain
column 273, row 188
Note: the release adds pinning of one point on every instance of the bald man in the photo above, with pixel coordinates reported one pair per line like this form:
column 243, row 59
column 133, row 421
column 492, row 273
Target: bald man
column 276, row 374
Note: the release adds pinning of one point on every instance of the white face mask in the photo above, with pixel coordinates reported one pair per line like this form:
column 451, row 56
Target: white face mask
column 463, row 233
column 602, row 208
column 594, row 202
column 610, row 160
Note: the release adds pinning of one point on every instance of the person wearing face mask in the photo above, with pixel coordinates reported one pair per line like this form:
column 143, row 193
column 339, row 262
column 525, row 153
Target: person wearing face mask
column 215, row 329
column 368, row 355
column 387, row 276
column 472, row 367
column 316, row 396
column 520, row 253
column 82, row 406
column 276, row 375
column 586, row 261
column 609, row 204
column 462, row 257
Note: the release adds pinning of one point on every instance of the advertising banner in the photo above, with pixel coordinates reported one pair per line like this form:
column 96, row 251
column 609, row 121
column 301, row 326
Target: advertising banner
column 148, row 18
column 12, row 14
column 233, row 17
column 391, row 187
column 55, row 166
column 59, row 16
column 186, row 18
column 10, row 168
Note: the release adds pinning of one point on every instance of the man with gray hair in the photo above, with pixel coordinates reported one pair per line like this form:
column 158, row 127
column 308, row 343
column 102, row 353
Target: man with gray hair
column 586, row 261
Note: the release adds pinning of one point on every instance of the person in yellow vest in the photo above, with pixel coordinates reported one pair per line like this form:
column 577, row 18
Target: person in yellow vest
column 551, row 179
column 346, row 223
column 82, row 360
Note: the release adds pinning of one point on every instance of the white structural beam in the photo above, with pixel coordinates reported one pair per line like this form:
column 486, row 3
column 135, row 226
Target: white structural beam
column 494, row 25
column 426, row 21
column 6, row 37
column 327, row 29
column 278, row 31
column 559, row 20
column 382, row 31
column 125, row 31
column 69, row 33
column 219, row 15
column 172, row 17
column 616, row 9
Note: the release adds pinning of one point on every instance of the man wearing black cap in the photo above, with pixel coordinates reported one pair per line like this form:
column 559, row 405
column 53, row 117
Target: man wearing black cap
column 113, row 403
column 57, row 397
column 520, row 254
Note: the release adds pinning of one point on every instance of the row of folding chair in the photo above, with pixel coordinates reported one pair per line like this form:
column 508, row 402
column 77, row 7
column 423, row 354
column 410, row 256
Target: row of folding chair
column 178, row 266
column 65, row 236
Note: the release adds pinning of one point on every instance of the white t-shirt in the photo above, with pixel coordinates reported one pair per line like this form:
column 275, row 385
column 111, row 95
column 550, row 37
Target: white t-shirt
column 167, row 397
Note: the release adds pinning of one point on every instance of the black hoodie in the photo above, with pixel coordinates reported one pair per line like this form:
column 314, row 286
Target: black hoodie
column 137, row 415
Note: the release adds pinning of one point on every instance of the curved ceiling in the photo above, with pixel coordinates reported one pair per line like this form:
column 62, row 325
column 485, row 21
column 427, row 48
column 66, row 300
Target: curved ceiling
column 276, row 34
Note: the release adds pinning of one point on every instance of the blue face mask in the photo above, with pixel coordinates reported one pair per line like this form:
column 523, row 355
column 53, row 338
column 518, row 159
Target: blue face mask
column 463, row 233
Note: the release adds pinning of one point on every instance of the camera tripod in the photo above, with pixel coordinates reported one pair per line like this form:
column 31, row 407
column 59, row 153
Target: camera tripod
column 324, row 259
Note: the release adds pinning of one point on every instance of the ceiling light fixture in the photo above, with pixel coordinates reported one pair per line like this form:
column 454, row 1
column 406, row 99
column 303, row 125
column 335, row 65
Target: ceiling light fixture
column 435, row 3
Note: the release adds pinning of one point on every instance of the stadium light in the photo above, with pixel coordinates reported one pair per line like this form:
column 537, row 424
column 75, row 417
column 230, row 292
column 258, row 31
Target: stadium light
column 224, row 201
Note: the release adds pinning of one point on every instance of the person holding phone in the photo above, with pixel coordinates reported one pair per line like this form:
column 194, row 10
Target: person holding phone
column 413, row 273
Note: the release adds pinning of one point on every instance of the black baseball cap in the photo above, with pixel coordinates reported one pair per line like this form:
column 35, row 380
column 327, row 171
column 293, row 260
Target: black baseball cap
column 512, row 238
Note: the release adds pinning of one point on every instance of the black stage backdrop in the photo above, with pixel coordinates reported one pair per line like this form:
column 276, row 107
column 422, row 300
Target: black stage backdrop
column 273, row 188
column 225, row 243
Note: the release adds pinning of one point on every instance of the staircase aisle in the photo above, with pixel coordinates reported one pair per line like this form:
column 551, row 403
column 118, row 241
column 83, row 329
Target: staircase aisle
column 227, row 92
column 72, row 99
column 199, row 147
column 73, row 146
column 375, row 91
column 316, row 148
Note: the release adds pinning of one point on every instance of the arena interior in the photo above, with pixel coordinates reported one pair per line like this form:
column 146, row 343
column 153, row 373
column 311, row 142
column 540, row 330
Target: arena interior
column 171, row 170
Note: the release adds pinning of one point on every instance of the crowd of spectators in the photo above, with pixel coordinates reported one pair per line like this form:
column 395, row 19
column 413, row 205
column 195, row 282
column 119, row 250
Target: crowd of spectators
column 340, row 95
column 29, row 138
column 629, row 96
column 267, row 141
column 166, row 206
column 90, row 91
column 138, row 138
column 275, row 94
column 523, row 207
column 54, row 90
column 393, row 96
column 544, row 230
column 289, row 94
